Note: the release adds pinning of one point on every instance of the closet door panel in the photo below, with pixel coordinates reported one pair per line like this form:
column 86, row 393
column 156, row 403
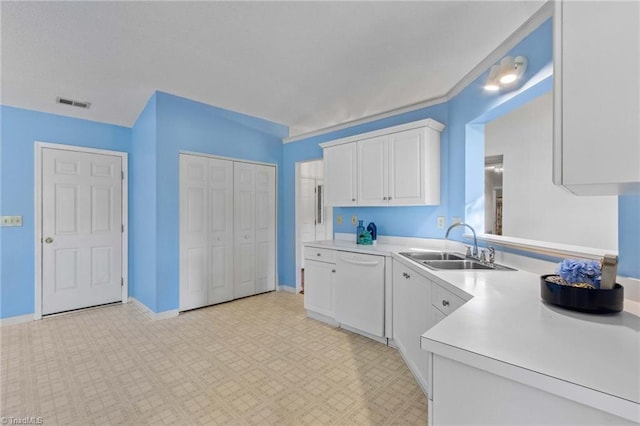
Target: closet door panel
column 265, row 231
column 220, row 230
column 193, row 235
column 245, row 224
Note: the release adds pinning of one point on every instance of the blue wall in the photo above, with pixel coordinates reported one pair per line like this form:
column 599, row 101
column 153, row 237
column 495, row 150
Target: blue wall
column 142, row 207
column 20, row 129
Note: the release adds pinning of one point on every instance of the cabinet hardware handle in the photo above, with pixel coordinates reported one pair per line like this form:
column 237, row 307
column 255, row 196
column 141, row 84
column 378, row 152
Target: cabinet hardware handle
column 407, row 276
column 49, row 240
column 384, row 198
column 318, row 254
column 333, row 270
column 353, row 199
column 389, row 198
column 445, row 302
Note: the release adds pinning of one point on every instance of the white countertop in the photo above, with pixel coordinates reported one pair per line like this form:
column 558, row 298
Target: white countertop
column 505, row 322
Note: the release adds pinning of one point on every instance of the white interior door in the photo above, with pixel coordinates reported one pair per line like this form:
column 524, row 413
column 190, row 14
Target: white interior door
column 220, row 231
column 265, row 228
column 193, row 231
column 245, row 227
column 81, row 229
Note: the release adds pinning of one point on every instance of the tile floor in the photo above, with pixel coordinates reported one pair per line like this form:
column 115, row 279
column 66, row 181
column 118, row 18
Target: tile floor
column 257, row 360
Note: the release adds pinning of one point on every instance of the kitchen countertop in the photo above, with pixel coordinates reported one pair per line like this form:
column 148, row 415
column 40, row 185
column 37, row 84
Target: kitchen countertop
column 505, row 325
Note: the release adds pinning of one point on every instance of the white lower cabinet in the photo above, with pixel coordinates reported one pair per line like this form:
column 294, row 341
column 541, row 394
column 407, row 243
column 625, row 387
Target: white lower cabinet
column 319, row 273
column 411, row 318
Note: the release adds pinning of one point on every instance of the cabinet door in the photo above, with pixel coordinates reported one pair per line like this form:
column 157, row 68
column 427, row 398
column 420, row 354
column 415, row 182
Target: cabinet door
column 340, row 169
column 220, row 231
column 265, row 231
column 193, row 232
column 373, row 172
column 411, row 317
column 245, row 227
column 407, row 167
column 597, row 96
column 318, row 287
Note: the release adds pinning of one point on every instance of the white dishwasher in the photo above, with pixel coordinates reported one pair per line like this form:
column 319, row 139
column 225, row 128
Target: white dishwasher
column 359, row 292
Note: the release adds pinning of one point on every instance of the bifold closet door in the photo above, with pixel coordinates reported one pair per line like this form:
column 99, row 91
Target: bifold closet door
column 206, row 231
column 265, row 219
column 245, row 229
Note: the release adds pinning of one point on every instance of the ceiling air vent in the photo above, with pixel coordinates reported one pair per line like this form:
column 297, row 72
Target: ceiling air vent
column 71, row 102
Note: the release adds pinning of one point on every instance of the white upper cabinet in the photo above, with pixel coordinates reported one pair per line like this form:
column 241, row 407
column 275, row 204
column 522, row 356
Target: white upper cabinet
column 395, row 166
column 340, row 170
column 597, row 97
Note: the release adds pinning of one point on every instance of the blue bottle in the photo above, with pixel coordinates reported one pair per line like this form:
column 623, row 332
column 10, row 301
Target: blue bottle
column 373, row 230
column 359, row 231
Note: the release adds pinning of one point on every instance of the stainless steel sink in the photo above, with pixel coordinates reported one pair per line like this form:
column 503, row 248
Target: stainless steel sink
column 455, row 264
column 432, row 255
column 450, row 261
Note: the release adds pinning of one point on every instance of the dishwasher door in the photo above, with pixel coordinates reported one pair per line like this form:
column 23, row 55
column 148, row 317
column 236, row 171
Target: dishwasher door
column 359, row 292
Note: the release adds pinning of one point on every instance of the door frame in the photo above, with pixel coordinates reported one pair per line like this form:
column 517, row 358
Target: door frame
column 38, row 147
column 328, row 212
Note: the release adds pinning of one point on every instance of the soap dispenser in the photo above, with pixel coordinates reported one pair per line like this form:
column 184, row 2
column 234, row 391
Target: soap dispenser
column 359, row 231
column 373, row 230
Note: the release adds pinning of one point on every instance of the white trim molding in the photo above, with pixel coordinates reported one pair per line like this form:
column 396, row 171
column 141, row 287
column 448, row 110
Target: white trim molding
column 545, row 12
column 287, row 288
column 153, row 315
column 37, row 228
column 428, row 122
column 19, row 319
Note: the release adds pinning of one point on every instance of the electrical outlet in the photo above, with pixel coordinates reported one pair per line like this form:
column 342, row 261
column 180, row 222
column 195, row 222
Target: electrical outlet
column 11, row 220
column 339, row 219
column 441, row 222
column 455, row 220
column 354, row 220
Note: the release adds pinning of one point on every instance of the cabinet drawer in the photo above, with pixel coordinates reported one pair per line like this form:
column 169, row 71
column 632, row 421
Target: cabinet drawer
column 444, row 300
column 321, row 255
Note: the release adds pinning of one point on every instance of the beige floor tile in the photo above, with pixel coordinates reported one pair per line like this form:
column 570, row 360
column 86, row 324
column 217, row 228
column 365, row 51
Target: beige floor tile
column 254, row 361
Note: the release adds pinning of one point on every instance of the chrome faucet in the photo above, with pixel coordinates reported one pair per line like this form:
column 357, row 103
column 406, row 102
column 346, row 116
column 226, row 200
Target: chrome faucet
column 474, row 253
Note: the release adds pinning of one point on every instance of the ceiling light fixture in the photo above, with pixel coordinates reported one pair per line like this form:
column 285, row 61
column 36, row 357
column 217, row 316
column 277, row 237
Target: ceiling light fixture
column 493, row 82
column 507, row 72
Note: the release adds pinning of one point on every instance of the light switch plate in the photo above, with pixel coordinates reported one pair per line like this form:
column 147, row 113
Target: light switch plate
column 11, row 220
column 339, row 219
column 441, row 222
column 354, row 220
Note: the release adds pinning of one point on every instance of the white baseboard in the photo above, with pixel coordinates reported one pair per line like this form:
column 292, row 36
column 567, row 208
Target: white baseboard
column 153, row 315
column 19, row 319
column 287, row 289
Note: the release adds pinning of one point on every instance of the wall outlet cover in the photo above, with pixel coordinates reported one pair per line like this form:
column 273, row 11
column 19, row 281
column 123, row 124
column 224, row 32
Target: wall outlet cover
column 441, row 222
column 11, row 221
column 339, row 219
column 354, row 220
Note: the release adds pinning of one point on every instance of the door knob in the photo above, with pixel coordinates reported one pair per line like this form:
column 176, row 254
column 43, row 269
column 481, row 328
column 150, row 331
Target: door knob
column 48, row 240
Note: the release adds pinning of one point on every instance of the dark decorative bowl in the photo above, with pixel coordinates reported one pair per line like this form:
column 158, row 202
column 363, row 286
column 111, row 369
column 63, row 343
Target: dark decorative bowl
column 593, row 301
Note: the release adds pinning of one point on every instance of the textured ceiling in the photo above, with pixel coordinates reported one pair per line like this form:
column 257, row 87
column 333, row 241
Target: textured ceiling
column 307, row 65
